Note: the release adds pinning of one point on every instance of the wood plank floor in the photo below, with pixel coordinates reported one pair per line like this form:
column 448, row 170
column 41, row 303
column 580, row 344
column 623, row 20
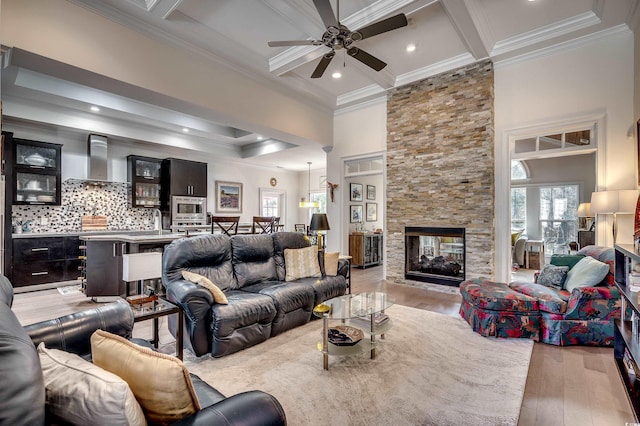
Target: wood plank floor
column 565, row 386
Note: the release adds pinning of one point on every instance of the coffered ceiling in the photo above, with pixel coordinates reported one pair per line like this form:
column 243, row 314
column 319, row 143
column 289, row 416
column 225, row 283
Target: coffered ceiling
column 446, row 34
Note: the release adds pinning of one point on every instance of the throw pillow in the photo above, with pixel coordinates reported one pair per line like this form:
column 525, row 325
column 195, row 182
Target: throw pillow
column 160, row 382
column 82, row 393
column 553, row 276
column 586, row 273
column 218, row 295
column 515, row 235
column 569, row 260
column 301, row 263
column 331, row 263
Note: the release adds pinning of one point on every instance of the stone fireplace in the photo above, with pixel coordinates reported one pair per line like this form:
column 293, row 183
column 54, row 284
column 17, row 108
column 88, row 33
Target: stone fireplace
column 435, row 255
column 440, row 165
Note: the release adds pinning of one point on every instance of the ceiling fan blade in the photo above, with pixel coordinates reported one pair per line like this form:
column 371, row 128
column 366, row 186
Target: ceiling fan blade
column 326, row 13
column 323, row 64
column 366, row 58
column 383, row 26
column 294, row 43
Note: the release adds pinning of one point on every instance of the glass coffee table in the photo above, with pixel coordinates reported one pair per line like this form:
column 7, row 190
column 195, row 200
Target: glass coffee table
column 364, row 311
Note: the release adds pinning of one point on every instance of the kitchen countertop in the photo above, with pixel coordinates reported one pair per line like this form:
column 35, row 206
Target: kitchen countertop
column 136, row 238
column 85, row 233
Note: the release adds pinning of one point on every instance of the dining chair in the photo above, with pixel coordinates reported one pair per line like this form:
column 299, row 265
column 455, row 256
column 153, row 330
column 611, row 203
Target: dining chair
column 226, row 224
column 300, row 227
column 262, row 224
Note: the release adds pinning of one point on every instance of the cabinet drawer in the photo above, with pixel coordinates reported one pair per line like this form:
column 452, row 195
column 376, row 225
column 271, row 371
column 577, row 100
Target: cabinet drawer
column 37, row 249
column 72, row 269
column 37, row 272
column 72, row 247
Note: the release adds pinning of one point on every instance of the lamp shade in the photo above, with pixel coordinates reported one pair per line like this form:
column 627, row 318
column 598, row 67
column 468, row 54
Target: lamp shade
column 617, row 201
column 319, row 222
column 584, row 210
column 141, row 266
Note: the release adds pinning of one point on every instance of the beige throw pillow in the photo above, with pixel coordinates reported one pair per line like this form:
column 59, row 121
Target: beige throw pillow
column 160, row 382
column 82, row 393
column 331, row 263
column 218, row 295
column 301, row 263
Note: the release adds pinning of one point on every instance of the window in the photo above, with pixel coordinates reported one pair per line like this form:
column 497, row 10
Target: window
column 272, row 203
column 558, row 221
column 518, row 208
column 583, row 138
column 321, row 198
column 518, row 170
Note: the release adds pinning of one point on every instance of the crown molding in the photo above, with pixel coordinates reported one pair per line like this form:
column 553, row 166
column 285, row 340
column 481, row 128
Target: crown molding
column 437, row 68
column 547, row 32
column 382, row 99
column 362, row 93
column 576, row 43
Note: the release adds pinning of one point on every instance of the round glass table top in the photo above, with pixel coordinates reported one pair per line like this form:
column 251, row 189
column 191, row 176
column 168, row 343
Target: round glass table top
column 355, row 305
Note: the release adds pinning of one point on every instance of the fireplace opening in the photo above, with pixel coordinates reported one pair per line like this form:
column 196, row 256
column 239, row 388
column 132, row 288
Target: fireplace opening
column 435, row 255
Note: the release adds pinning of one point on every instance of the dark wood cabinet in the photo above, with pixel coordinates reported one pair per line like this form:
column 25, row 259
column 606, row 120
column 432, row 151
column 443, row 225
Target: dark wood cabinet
column 45, row 260
column 586, row 238
column 35, row 172
column 143, row 173
column 183, row 177
column 365, row 249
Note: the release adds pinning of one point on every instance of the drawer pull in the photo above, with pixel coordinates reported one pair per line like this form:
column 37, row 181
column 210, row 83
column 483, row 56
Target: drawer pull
column 39, row 273
column 40, row 249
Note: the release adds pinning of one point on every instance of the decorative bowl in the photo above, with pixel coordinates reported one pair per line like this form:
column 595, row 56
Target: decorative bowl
column 345, row 335
column 36, row 160
column 322, row 309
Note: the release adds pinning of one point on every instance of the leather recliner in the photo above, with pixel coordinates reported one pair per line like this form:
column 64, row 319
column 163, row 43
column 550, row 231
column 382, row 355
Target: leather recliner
column 22, row 394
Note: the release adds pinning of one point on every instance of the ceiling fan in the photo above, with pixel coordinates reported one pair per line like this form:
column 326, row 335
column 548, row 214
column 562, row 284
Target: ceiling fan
column 338, row 36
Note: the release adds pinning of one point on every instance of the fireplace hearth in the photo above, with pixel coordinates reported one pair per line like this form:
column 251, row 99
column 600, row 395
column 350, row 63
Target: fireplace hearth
column 435, row 255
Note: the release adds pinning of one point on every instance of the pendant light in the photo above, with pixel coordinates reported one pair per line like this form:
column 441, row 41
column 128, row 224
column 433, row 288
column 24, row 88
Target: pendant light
column 303, row 202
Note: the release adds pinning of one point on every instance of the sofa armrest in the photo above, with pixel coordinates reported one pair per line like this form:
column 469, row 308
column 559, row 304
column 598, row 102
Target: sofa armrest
column 248, row 408
column 587, row 303
column 343, row 267
column 195, row 301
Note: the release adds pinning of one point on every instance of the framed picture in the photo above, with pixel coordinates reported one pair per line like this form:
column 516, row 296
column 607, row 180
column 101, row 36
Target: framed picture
column 372, row 212
column 371, row 192
column 228, row 197
column 355, row 192
column 356, row 214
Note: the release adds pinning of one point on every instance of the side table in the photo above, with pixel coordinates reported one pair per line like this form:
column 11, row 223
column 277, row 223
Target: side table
column 534, row 254
column 160, row 308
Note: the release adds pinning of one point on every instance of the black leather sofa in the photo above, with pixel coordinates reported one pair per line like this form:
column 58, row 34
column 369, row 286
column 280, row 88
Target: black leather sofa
column 250, row 270
column 22, row 394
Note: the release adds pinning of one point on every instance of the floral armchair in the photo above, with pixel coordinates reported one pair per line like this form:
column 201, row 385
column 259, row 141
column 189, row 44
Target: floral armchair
column 583, row 317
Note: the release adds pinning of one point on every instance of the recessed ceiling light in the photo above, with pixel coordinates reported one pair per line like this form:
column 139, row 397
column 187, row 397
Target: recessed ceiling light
column 184, row 129
column 411, row 47
column 336, row 74
column 260, row 138
column 95, row 108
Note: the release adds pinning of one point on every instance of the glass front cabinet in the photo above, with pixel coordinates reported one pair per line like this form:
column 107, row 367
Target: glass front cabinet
column 36, row 172
column 144, row 175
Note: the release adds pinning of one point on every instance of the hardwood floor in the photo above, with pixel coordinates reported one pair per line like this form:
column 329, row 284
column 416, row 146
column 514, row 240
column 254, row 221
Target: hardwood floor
column 565, row 386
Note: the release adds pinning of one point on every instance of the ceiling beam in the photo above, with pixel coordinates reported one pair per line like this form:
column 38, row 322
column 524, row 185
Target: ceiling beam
column 164, row 8
column 464, row 25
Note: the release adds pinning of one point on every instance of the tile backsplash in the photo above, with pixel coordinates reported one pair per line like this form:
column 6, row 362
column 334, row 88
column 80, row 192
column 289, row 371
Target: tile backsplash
column 79, row 198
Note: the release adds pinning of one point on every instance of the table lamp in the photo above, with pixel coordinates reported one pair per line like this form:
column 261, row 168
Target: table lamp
column 621, row 201
column 318, row 223
column 139, row 267
column 586, row 217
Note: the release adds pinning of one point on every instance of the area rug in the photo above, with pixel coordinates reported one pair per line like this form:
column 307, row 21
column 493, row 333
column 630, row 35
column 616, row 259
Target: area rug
column 70, row 289
column 431, row 369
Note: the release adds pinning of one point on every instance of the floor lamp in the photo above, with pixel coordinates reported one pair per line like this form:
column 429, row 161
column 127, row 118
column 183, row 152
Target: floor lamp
column 621, row 201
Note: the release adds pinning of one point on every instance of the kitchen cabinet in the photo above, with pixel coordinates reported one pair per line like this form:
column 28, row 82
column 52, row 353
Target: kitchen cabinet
column 45, row 260
column 143, row 173
column 183, row 177
column 35, row 172
column 365, row 249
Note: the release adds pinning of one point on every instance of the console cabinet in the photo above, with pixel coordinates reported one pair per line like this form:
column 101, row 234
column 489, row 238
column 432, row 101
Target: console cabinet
column 365, row 249
column 45, row 260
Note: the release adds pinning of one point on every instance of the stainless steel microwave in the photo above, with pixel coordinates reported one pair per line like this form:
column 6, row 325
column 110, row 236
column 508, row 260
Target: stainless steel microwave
column 188, row 210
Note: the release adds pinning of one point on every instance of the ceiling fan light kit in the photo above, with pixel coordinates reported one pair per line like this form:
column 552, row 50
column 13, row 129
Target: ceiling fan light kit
column 338, row 36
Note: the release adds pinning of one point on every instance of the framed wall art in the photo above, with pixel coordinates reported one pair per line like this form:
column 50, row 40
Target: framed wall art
column 356, row 214
column 372, row 212
column 355, row 192
column 228, row 197
column 371, row 192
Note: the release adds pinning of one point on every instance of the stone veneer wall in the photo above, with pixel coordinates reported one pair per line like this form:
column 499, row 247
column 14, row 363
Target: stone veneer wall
column 440, row 163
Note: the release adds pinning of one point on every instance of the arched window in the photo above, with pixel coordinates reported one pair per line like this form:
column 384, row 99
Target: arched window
column 518, row 170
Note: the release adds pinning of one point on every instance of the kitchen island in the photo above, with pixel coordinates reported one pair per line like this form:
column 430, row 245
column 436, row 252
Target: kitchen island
column 103, row 259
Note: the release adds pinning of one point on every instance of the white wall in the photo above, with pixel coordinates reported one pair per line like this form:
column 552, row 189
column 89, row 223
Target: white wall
column 74, row 165
column 588, row 78
column 360, row 132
